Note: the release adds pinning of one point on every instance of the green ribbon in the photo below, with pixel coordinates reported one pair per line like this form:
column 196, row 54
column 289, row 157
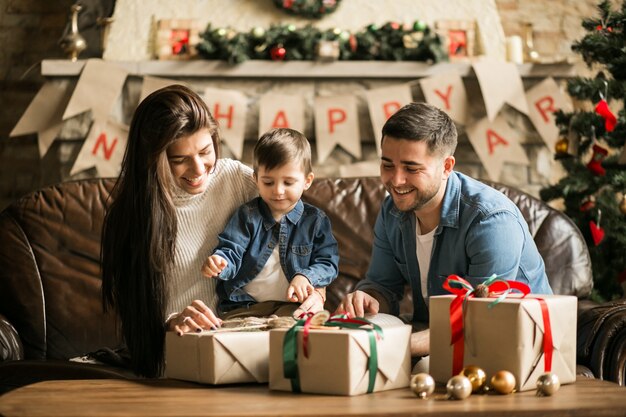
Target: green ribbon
column 290, row 348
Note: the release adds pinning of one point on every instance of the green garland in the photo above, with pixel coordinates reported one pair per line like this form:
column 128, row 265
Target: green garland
column 312, row 9
column 389, row 42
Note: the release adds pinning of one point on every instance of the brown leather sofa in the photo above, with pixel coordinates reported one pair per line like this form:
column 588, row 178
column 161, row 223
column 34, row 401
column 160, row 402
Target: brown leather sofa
column 50, row 306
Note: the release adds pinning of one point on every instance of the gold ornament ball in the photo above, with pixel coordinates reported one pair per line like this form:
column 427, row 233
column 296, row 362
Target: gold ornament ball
column 459, row 387
column 422, row 385
column 561, row 146
column 548, row 384
column 622, row 204
column 477, row 377
column 503, row 382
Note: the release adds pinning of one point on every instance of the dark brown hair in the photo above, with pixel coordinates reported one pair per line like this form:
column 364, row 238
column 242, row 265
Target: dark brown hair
column 139, row 231
column 280, row 146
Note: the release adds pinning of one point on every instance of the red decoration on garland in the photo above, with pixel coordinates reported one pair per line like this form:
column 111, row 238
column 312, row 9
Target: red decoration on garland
column 602, row 108
column 588, row 204
column 278, row 53
column 595, row 165
column 353, row 43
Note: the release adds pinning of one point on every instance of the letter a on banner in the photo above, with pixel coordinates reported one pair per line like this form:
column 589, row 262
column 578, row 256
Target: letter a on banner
column 103, row 149
column 543, row 100
column 447, row 92
column 496, row 143
column 229, row 109
column 281, row 110
column 382, row 103
column 336, row 123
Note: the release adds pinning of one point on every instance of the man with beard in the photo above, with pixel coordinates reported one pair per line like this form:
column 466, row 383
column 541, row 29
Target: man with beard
column 436, row 222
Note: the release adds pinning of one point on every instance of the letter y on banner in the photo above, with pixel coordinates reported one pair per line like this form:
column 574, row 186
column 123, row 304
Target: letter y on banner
column 336, row 123
column 382, row 103
column 104, row 149
column 229, row 109
column 447, row 92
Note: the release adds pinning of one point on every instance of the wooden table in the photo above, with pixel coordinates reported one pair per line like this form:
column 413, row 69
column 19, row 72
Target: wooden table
column 587, row 397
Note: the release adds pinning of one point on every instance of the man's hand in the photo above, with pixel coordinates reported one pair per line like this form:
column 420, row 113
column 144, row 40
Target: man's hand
column 213, row 266
column 299, row 289
column 357, row 304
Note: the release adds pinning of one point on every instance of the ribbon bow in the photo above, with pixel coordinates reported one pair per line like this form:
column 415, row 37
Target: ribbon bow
column 290, row 348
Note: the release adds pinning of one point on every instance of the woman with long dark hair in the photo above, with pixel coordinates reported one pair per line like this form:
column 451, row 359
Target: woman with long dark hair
column 173, row 197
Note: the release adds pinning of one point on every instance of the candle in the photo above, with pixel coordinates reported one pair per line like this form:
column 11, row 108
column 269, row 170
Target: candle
column 514, row 50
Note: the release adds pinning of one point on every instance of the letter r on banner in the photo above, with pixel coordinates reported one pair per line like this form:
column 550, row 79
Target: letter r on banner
column 335, row 116
column 102, row 142
column 545, row 105
column 228, row 115
column 493, row 139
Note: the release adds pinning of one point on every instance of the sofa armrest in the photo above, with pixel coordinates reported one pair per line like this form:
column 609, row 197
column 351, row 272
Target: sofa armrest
column 602, row 339
column 10, row 344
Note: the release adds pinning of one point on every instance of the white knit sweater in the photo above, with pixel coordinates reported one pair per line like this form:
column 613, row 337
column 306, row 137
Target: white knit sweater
column 201, row 218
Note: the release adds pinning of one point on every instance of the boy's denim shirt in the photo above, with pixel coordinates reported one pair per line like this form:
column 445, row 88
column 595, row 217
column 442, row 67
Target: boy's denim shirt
column 304, row 238
column 481, row 232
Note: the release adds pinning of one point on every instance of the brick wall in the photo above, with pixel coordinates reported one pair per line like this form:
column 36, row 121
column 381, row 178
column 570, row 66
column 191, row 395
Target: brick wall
column 30, row 30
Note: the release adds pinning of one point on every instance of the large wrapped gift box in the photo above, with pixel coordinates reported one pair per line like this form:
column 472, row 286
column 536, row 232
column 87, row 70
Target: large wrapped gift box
column 218, row 357
column 337, row 361
column 509, row 335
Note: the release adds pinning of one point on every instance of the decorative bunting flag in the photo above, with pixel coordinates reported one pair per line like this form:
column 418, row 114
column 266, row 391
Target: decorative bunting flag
column 44, row 114
column 543, row 100
column 382, row 103
column 98, row 88
column 103, row 149
column 496, row 143
column 447, row 92
column 229, row 108
column 281, row 110
column 151, row 84
column 500, row 83
column 336, row 123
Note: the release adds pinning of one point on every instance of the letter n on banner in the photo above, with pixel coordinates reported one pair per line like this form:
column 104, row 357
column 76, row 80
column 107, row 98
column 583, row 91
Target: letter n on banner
column 336, row 123
column 281, row 110
column 496, row 143
column 103, row 149
column 229, row 109
column 382, row 103
column 543, row 100
column 447, row 92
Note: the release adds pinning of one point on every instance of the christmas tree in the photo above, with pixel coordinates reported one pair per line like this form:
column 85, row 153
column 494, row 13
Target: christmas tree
column 591, row 149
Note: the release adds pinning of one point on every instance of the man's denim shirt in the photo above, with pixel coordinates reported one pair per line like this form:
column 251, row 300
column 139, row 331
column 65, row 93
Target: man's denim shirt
column 481, row 232
column 304, row 238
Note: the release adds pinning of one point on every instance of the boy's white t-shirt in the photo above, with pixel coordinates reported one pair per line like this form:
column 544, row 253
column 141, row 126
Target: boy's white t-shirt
column 424, row 248
column 270, row 284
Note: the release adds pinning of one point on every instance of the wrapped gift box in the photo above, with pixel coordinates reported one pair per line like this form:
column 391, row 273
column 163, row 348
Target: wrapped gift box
column 508, row 336
column 218, row 357
column 338, row 359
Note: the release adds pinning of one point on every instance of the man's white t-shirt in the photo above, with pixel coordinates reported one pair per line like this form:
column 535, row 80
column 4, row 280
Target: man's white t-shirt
column 424, row 248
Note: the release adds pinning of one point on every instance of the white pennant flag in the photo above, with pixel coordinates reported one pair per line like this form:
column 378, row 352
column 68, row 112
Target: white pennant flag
column 98, row 88
column 543, row 100
column 151, row 84
column 103, row 149
column 496, row 143
column 336, row 123
column 447, row 92
column 382, row 103
column 44, row 114
column 281, row 110
column 500, row 83
column 229, row 108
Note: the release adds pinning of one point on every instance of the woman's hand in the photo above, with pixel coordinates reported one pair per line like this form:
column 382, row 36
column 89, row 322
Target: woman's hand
column 313, row 303
column 194, row 318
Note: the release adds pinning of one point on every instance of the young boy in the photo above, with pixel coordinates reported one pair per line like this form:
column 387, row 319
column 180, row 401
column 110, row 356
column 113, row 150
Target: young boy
column 276, row 250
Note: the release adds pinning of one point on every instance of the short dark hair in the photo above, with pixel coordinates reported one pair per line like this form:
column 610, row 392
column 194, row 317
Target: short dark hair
column 280, row 146
column 423, row 122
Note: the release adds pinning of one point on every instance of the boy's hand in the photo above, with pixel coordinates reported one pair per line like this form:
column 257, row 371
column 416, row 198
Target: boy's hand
column 213, row 266
column 299, row 289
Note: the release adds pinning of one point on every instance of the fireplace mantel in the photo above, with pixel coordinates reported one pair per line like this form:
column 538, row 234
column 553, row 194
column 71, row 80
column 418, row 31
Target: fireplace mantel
column 299, row 69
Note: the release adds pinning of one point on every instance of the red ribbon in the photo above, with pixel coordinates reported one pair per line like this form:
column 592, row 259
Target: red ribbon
column 548, row 345
column 464, row 291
